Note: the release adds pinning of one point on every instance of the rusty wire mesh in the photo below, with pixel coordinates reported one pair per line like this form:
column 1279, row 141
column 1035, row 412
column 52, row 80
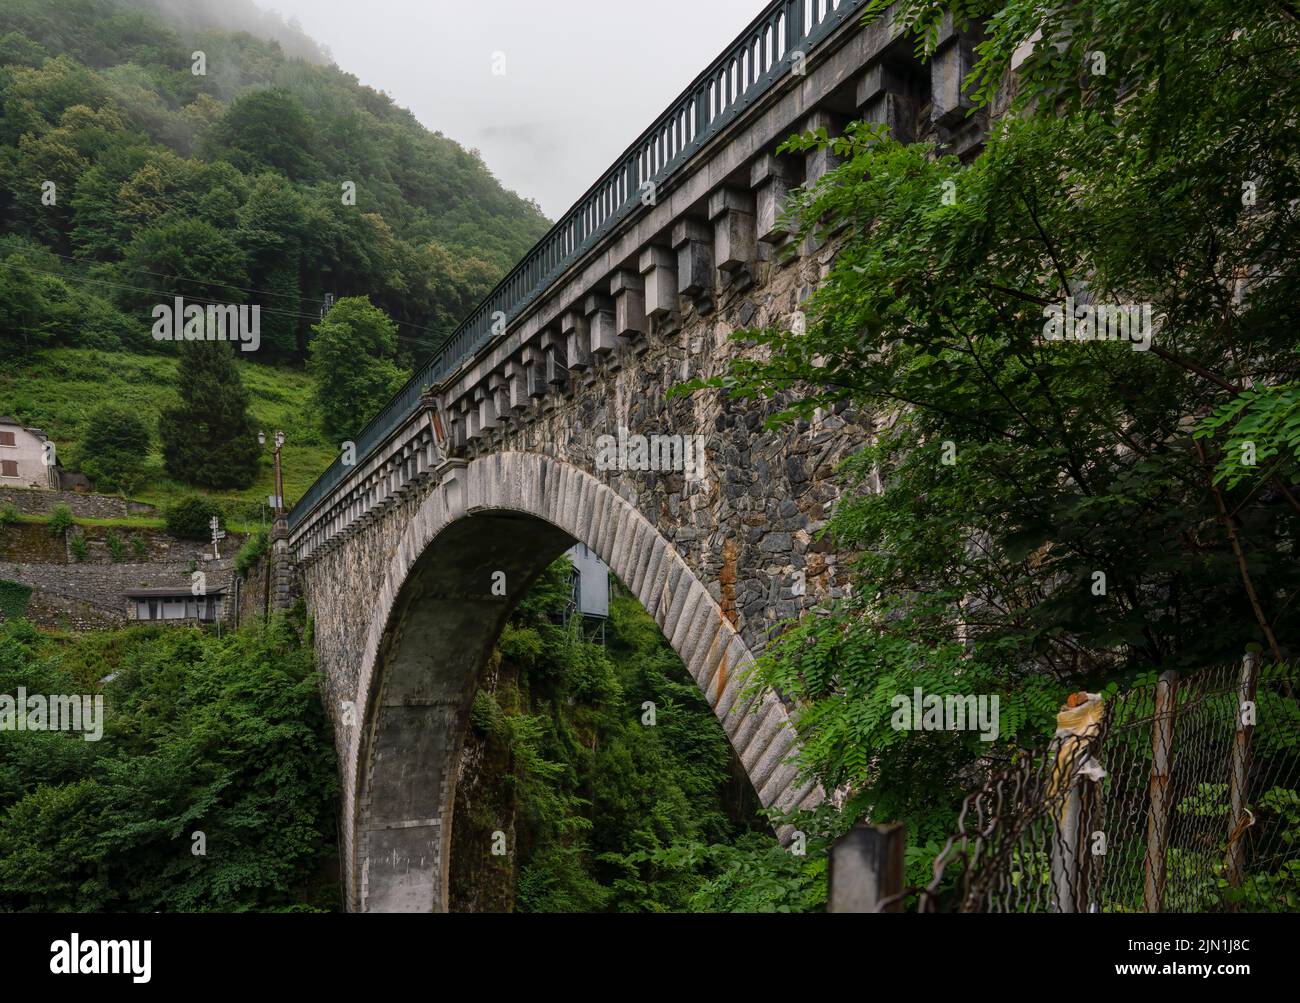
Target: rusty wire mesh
column 1198, row 809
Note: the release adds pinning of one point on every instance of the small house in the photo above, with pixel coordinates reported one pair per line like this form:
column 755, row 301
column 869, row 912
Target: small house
column 176, row 604
column 25, row 461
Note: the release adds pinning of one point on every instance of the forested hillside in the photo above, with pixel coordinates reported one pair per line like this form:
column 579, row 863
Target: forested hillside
column 143, row 157
column 225, row 185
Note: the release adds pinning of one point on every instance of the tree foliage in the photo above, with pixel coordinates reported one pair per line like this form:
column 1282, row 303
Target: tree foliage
column 190, row 518
column 352, row 363
column 1049, row 515
column 225, row 738
column 208, row 439
column 221, row 188
column 113, row 448
column 610, row 813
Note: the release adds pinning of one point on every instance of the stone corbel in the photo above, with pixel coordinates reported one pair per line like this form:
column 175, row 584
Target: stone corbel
column 658, row 267
column 471, row 418
column 693, row 242
column 953, row 60
column 770, row 179
column 499, row 395
column 628, row 290
column 516, row 375
column 577, row 340
column 534, row 363
column 555, row 354
column 820, row 162
column 884, row 98
column 735, row 241
column 453, row 483
column 485, row 400
column 599, row 309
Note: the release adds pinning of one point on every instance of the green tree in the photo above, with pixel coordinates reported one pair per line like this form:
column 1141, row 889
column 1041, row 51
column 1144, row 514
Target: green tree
column 266, row 129
column 220, row 736
column 184, row 257
column 26, row 310
column 271, row 224
column 1046, row 519
column 352, row 363
column 208, row 439
column 112, row 448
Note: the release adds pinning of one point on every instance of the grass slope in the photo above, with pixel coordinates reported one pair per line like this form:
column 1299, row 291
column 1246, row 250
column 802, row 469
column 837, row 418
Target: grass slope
column 58, row 389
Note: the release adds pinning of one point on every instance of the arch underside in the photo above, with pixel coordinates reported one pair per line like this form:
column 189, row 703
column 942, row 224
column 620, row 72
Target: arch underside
column 436, row 622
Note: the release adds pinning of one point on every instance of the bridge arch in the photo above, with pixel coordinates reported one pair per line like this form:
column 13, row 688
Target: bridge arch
column 510, row 512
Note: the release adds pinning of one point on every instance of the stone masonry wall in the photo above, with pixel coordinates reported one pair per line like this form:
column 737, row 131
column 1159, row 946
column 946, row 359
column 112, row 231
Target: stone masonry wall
column 47, row 609
column 84, row 506
column 748, row 530
column 102, row 585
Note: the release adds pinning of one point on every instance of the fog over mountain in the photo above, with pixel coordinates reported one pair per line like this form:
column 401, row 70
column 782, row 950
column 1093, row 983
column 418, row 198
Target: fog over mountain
column 242, row 15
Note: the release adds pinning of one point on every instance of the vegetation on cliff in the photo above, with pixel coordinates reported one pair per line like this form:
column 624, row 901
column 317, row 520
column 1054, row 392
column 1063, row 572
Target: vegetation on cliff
column 601, row 809
column 212, row 788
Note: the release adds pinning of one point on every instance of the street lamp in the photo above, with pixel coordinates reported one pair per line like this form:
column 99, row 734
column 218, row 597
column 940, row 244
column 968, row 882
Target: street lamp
column 279, row 480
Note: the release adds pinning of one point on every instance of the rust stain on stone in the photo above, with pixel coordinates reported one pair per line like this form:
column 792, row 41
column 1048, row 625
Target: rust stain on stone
column 727, row 579
column 722, row 675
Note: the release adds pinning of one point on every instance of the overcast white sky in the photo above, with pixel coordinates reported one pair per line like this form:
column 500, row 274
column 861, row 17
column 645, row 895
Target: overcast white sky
column 583, row 77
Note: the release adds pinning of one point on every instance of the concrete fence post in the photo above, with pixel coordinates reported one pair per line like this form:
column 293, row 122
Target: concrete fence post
column 866, row 867
column 1239, row 783
column 1162, row 757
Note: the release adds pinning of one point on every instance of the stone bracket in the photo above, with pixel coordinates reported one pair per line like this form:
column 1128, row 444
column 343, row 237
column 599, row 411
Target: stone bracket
column 659, row 269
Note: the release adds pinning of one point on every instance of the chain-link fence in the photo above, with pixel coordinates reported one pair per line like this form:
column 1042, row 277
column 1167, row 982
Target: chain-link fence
column 1180, row 795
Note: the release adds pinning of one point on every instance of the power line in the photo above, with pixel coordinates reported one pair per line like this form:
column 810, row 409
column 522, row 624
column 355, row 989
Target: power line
column 169, row 294
column 164, row 275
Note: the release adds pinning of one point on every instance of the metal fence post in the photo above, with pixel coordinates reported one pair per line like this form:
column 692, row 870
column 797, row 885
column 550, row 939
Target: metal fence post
column 1236, row 854
column 866, row 866
column 1162, row 744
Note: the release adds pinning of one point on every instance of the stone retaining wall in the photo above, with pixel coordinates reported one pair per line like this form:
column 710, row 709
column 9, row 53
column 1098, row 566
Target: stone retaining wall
column 102, row 585
column 84, row 506
column 47, row 609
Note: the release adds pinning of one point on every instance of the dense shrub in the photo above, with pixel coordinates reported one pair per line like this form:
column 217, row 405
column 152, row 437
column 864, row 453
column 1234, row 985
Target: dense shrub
column 220, row 736
column 60, row 520
column 251, row 552
column 191, row 517
column 113, row 448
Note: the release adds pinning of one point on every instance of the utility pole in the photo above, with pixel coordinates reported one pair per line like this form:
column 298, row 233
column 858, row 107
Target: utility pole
column 279, row 563
column 278, row 500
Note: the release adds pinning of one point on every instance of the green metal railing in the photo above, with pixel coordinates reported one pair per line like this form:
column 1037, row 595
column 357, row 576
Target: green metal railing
column 748, row 68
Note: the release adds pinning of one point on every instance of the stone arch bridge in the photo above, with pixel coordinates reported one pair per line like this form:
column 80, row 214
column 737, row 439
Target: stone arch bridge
column 496, row 457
